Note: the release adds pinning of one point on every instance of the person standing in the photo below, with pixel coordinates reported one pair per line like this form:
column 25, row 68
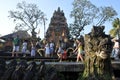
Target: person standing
column 33, row 49
column 52, row 48
column 115, row 51
column 24, row 48
column 79, row 50
column 38, row 45
column 16, row 46
column 60, row 51
column 47, row 49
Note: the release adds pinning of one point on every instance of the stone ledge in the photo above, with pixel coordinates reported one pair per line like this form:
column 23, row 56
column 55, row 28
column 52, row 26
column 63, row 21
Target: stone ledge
column 66, row 66
column 75, row 66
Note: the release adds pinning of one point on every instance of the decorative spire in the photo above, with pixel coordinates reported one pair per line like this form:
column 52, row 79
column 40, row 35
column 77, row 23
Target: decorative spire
column 58, row 9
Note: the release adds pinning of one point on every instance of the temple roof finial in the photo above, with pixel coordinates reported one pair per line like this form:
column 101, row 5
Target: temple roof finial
column 58, row 9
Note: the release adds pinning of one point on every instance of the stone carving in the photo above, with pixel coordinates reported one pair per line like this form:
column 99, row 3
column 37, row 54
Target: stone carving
column 98, row 48
column 24, row 71
column 58, row 27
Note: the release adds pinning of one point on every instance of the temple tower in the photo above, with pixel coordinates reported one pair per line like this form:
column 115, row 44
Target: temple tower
column 58, row 27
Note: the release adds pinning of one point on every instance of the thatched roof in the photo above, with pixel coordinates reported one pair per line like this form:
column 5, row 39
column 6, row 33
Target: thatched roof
column 21, row 34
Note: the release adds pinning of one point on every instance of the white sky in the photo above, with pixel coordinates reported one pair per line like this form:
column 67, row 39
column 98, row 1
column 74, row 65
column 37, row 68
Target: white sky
column 48, row 7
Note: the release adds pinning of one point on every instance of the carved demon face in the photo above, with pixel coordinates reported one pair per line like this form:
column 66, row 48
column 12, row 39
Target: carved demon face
column 97, row 31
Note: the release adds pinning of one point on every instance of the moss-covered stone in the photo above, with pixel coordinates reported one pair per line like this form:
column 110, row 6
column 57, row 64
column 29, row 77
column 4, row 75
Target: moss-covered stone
column 98, row 48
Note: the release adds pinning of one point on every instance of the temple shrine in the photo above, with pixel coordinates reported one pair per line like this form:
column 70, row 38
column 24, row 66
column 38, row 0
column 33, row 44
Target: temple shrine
column 58, row 27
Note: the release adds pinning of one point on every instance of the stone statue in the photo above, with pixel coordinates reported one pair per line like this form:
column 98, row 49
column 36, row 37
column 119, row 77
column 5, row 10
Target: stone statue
column 97, row 48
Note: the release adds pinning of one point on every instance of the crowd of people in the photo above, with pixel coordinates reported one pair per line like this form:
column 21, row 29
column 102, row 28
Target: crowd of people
column 51, row 49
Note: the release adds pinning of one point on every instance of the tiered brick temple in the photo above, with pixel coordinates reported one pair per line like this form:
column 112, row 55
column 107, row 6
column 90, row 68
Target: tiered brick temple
column 58, row 27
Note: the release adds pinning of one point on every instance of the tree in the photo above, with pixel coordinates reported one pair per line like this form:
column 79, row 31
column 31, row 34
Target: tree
column 27, row 17
column 105, row 14
column 85, row 13
column 116, row 28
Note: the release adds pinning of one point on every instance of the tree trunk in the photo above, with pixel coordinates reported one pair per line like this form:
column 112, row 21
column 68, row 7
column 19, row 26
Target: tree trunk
column 33, row 33
column 98, row 47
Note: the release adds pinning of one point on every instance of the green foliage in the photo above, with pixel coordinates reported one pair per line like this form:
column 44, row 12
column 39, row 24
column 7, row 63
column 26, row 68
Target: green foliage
column 115, row 31
column 105, row 14
column 85, row 13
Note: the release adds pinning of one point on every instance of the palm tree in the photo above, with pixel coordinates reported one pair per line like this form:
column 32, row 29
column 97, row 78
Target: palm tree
column 115, row 32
